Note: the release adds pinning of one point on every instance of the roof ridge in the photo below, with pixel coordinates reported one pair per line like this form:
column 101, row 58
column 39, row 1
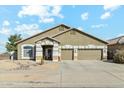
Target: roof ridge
column 120, row 39
column 116, row 37
column 42, row 32
column 91, row 35
column 81, row 32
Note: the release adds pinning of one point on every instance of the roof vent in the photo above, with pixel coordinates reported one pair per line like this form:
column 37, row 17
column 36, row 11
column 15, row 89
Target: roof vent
column 61, row 28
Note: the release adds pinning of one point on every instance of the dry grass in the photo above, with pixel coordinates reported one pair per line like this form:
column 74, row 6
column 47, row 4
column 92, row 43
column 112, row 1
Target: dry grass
column 5, row 65
column 22, row 70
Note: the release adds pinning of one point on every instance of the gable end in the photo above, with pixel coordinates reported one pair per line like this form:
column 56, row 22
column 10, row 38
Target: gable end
column 61, row 25
column 73, row 33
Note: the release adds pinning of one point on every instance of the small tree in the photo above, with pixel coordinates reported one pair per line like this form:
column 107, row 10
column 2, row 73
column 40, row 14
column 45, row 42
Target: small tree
column 11, row 44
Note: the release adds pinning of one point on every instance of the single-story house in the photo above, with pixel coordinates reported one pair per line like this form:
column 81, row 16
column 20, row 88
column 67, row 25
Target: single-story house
column 62, row 43
column 114, row 45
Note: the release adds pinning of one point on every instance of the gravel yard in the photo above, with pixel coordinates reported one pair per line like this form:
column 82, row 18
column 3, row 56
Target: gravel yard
column 85, row 73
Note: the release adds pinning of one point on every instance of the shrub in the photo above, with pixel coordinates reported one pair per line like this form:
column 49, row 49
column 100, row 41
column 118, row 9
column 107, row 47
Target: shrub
column 119, row 57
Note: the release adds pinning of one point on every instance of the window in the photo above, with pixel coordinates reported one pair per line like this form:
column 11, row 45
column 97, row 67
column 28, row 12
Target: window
column 27, row 51
column 61, row 28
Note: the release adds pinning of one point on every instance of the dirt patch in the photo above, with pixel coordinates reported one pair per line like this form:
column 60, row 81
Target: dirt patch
column 21, row 77
column 16, row 64
column 53, row 66
column 8, row 65
column 26, row 65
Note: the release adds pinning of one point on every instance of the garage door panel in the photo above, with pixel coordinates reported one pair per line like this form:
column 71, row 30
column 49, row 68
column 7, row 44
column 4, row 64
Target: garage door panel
column 89, row 54
column 67, row 54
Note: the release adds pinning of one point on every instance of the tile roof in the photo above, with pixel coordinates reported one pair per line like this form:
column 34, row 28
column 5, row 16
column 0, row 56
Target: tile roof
column 42, row 32
column 118, row 40
column 121, row 41
column 69, row 28
column 80, row 32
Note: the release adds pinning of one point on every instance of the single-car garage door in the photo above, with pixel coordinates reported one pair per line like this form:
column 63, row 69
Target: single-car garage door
column 67, row 54
column 89, row 54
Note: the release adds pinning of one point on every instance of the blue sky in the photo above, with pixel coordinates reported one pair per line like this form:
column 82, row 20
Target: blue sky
column 102, row 21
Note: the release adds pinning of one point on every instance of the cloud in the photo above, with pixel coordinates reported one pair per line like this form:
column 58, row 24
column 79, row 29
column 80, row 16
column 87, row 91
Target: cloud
column 27, row 29
column 80, row 28
column 108, row 10
column 6, row 23
column 47, row 20
column 56, row 11
column 111, row 7
column 17, row 22
column 2, row 43
column 46, row 14
column 106, row 15
column 99, row 26
column 5, row 31
column 85, row 16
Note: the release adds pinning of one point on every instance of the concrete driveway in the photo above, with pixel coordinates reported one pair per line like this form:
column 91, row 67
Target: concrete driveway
column 92, row 74
column 67, row 74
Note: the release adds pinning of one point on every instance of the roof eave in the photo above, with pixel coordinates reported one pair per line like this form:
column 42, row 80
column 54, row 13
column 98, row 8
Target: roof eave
column 91, row 35
column 81, row 32
column 46, row 38
column 42, row 32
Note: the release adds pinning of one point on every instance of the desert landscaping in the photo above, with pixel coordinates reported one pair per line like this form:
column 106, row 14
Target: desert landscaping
column 12, row 72
column 86, row 73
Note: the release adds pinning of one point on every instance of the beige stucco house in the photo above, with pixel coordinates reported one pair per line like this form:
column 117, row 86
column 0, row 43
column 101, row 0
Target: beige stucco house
column 62, row 43
column 114, row 45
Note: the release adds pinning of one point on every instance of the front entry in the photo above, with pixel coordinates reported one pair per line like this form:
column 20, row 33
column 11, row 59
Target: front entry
column 47, row 52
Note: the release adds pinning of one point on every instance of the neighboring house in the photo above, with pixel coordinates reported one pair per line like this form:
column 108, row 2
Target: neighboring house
column 114, row 45
column 4, row 56
column 62, row 43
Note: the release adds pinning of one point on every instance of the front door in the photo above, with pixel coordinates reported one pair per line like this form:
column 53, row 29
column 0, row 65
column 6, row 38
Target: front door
column 47, row 52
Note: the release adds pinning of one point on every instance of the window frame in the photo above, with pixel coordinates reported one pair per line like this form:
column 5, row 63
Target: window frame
column 22, row 48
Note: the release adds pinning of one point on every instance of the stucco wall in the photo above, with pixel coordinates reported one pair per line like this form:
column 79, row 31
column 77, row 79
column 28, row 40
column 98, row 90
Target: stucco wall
column 68, row 38
column 33, row 39
column 77, row 39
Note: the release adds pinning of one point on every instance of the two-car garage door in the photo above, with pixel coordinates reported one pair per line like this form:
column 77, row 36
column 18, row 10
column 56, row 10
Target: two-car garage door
column 89, row 54
column 83, row 54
